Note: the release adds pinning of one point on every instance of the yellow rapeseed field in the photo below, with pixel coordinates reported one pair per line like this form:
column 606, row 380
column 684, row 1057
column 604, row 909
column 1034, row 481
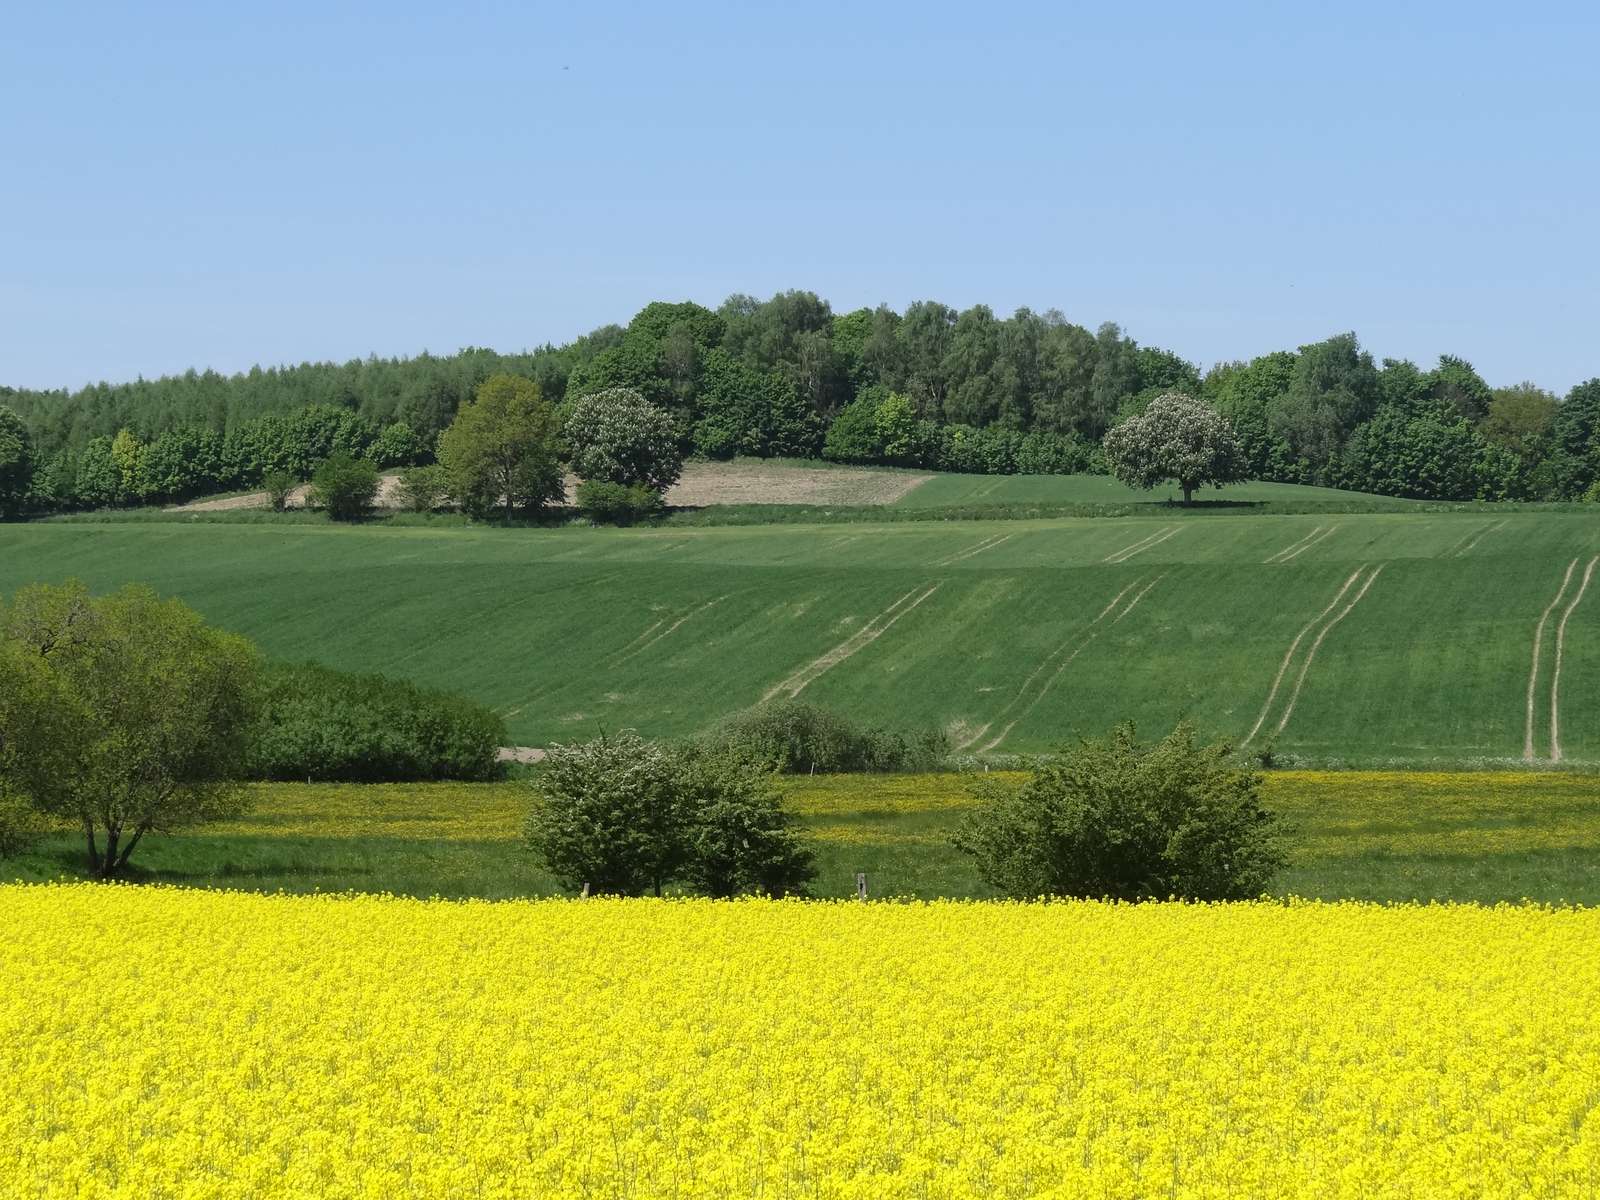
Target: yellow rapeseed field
column 166, row 1043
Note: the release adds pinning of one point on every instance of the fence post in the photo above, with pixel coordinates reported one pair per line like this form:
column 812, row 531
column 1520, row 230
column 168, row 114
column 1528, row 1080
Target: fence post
column 861, row 885
column 584, row 895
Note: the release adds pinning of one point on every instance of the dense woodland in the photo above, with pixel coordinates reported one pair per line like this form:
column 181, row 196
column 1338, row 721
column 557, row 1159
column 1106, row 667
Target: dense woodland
column 931, row 387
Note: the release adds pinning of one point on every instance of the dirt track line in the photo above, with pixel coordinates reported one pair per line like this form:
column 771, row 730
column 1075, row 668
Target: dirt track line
column 671, row 629
column 1295, row 545
column 1305, row 667
column 1481, row 535
column 1538, row 644
column 1316, row 541
column 1139, row 547
column 1555, row 670
column 976, row 550
column 1283, row 667
column 859, row 640
column 1050, row 682
column 994, row 539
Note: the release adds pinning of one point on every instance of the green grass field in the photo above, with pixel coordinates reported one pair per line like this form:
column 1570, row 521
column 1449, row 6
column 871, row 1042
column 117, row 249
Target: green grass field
column 1480, row 836
column 961, row 491
column 1412, row 634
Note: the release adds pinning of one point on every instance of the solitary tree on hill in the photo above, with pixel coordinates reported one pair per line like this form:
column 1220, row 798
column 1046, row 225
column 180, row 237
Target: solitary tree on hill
column 1179, row 438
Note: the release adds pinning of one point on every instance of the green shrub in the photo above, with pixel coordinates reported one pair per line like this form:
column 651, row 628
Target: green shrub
column 322, row 724
column 607, row 815
column 794, row 737
column 620, row 815
column 422, row 489
column 617, row 504
column 278, row 485
column 1113, row 818
column 345, row 486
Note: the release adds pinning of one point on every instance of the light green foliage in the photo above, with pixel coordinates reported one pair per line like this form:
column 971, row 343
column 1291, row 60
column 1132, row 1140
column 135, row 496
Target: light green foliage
column 1519, row 418
column 422, row 489
column 127, row 452
column 502, row 449
column 1177, row 437
column 278, row 485
column 618, row 437
column 1114, row 818
column 739, row 837
column 149, row 714
column 345, row 487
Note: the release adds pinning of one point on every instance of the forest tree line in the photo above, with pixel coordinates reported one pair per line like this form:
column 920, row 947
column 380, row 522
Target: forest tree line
column 931, row 387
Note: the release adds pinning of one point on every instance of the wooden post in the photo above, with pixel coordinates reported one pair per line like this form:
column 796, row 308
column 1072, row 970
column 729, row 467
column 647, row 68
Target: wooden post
column 861, row 885
column 584, row 895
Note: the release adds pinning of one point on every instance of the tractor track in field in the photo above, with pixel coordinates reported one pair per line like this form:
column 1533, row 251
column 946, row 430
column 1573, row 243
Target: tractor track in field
column 1326, row 626
column 1143, row 544
column 1557, row 658
column 988, row 543
column 1470, row 539
column 796, row 683
column 1082, row 643
column 639, row 645
column 1316, row 537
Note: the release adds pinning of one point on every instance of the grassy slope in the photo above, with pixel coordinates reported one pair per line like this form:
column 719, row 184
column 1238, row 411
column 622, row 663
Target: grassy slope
column 1478, row 837
column 966, row 490
column 667, row 629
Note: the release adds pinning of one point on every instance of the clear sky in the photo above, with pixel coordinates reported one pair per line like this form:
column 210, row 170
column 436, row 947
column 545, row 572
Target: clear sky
column 225, row 184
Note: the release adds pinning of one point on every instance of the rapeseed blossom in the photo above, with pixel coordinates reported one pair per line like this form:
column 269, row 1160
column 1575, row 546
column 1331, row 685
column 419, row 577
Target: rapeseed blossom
column 164, row 1043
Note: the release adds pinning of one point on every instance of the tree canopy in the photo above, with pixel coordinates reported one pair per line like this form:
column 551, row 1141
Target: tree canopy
column 1176, row 438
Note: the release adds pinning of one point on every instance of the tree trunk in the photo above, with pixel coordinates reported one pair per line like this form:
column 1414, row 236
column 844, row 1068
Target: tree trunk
column 127, row 851
column 108, row 864
column 1188, row 493
column 94, row 850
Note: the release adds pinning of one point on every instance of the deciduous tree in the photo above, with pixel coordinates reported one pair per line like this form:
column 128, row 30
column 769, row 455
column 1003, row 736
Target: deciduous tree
column 1178, row 438
column 502, row 448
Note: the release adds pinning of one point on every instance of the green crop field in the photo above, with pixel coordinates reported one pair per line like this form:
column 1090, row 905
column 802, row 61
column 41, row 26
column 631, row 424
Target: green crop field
column 1480, row 836
column 1369, row 638
column 953, row 491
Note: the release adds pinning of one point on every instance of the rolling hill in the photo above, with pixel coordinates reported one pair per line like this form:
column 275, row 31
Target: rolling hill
column 1373, row 638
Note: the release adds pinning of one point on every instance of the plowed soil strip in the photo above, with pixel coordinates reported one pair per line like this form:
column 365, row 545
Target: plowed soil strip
column 1538, row 644
column 1555, row 670
column 1143, row 544
column 862, row 638
column 1305, row 667
column 1050, row 681
column 1288, row 657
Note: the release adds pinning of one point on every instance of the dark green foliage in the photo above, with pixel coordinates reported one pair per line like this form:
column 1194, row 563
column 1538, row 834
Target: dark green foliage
column 793, row 736
column 321, row 724
column 16, row 463
column 786, row 376
column 1114, row 818
column 620, row 815
column 616, row 503
column 739, row 837
column 344, row 486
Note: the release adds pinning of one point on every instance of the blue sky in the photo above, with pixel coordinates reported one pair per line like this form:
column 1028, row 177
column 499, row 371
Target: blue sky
column 223, row 185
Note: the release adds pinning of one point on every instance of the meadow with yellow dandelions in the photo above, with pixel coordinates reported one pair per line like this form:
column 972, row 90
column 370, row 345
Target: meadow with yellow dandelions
column 166, row 1043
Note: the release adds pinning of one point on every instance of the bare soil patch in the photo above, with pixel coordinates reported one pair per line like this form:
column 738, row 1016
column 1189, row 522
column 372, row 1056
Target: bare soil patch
column 775, row 483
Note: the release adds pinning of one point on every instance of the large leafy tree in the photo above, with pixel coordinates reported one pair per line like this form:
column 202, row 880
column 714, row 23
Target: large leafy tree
column 134, row 716
column 1177, row 437
column 502, row 448
column 617, row 436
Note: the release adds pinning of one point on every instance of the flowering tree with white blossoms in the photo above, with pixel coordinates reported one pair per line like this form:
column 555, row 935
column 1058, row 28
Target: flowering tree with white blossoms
column 1177, row 437
column 617, row 436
